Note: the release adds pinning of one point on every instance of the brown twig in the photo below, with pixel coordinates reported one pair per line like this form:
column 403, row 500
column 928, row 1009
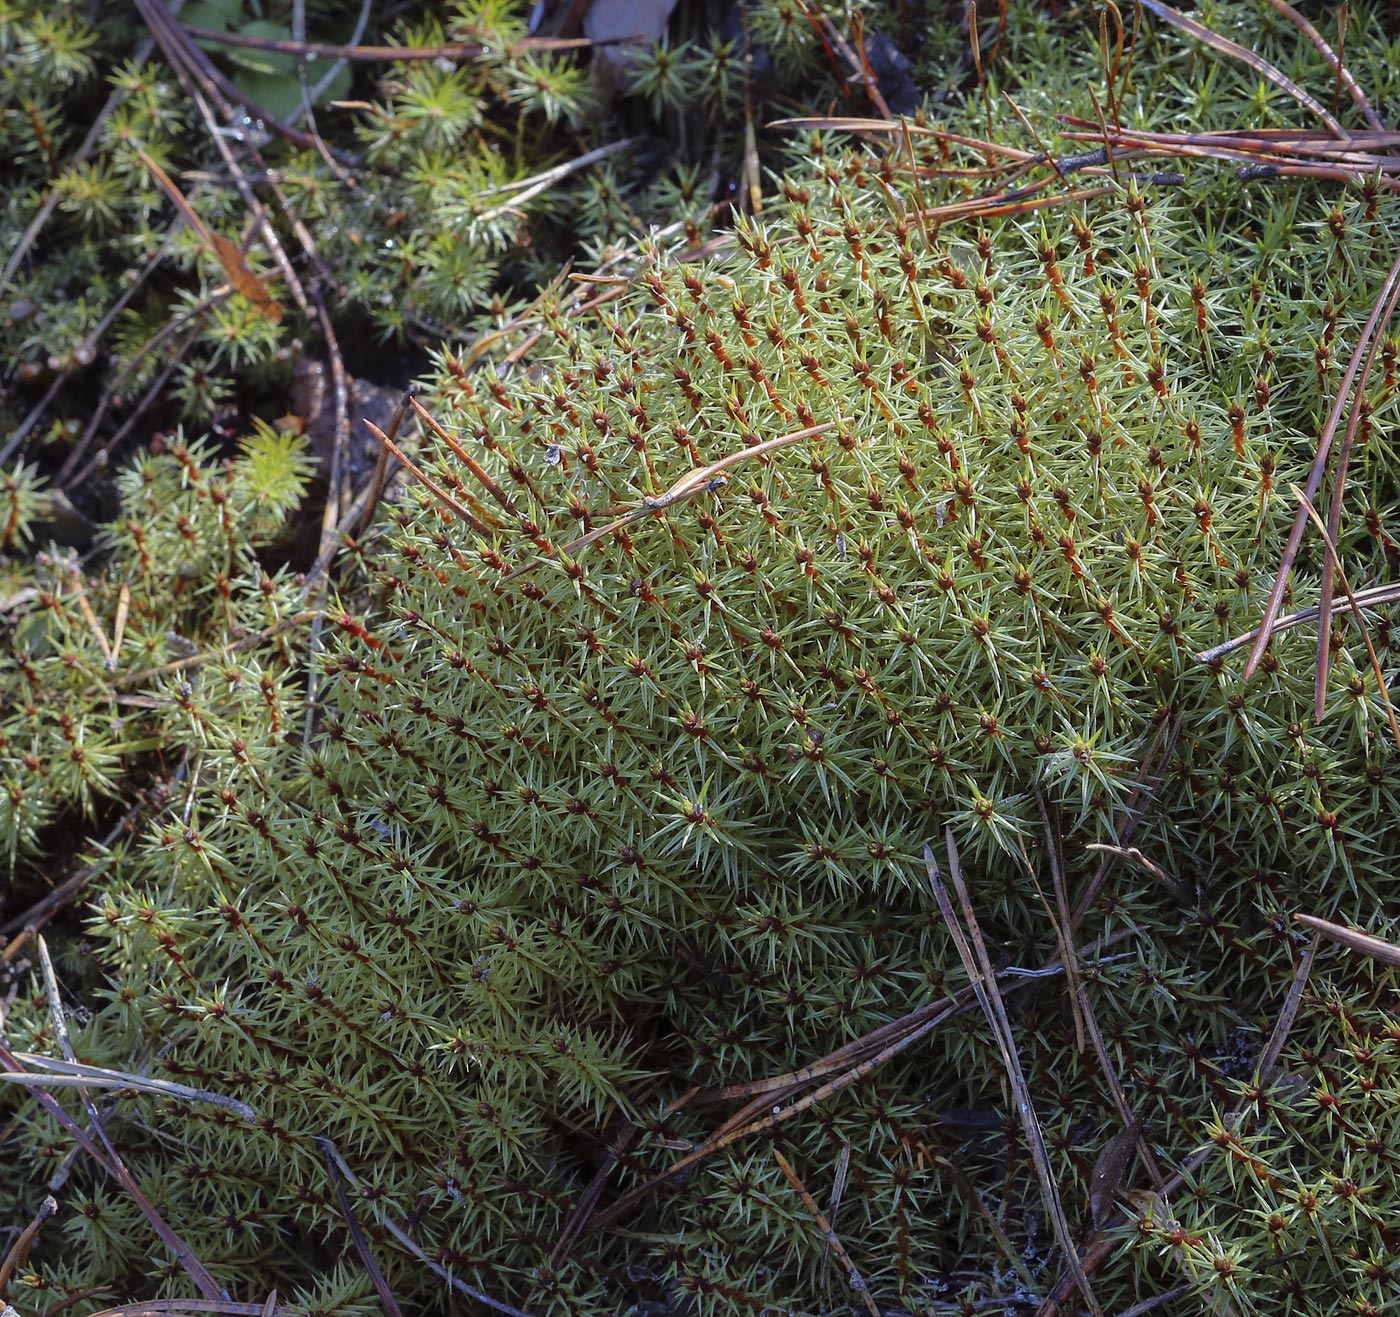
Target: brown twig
column 1324, row 445
column 1368, row 598
column 36, row 413
column 1132, row 1126
column 198, row 660
column 361, row 512
column 973, row 952
column 113, row 1165
column 357, row 1236
column 186, row 58
column 66, row 478
column 453, row 50
column 1249, row 58
column 18, row 1253
column 1331, row 56
column 588, row 1199
column 523, row 189
column 1355, row 609
column 1364, row 944
column 179, row 1307
column 428, row 482
column 1332, row 531
column 332, row 1154
column 700, row 480
column 39, row 914
column 74, row 1074
column 226, row 252
column 333, row 513
column 50, row 203
column 1134, row 811
column 1106, row 1244
column 829, row 1235
column 776, row 1116
column 483, row 477
column 1283, row 1026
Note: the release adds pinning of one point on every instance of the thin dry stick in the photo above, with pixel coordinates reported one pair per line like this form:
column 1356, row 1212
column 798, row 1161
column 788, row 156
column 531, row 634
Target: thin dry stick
column 973, row 952
column 1109, row 80
column 1009, row 1251
column 1342, row 15
column 1107, row 1244
column 1135, row 810
column 366, row 504
column 332, row 514
column 778, row 1116
column 39, row 914
column 1368, row 598
column 828, row 1234
column 859, row 67
column 88, row 348
column 113, row 1165
column 838, row 1189
column 192, row 66
column 1132, row 52
column 700, row 480
column 361, row 512
column 35, row 413
column 617, row 1150
column 74, row 1074
column 1107, row 143
column 1035, row 137
column 1324, row 446
column 916, row 177
column 75, row 581
column 1258, row 63
column 1353, row 939
column 1060, row 921
column 1135, row 856
column 1334, row 519
column 1355, row 608
column 426, row 480
column 99, row 460
column 523, row 189
column 1278, row 1035
column 1157, row 1301
column 1331, row 56
column 357, row 1236
column 839, row 1059
column 1264, row 156
column 186, row 58
column 862, row 1048
column 332, row 1153
column 224, row 250
column 856, row 124
column 178, row 1307
column 995, row 207
column 309, row 94
column 1054, row 841
column 482, row 475
column 50, row 203
column 119, row 625
column 337, row 495
column 197, row 314
column 198, row 660
column 456, row 50
column 19, row 1250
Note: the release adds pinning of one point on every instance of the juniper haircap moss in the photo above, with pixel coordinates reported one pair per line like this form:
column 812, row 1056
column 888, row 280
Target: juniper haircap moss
column 598, row 847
